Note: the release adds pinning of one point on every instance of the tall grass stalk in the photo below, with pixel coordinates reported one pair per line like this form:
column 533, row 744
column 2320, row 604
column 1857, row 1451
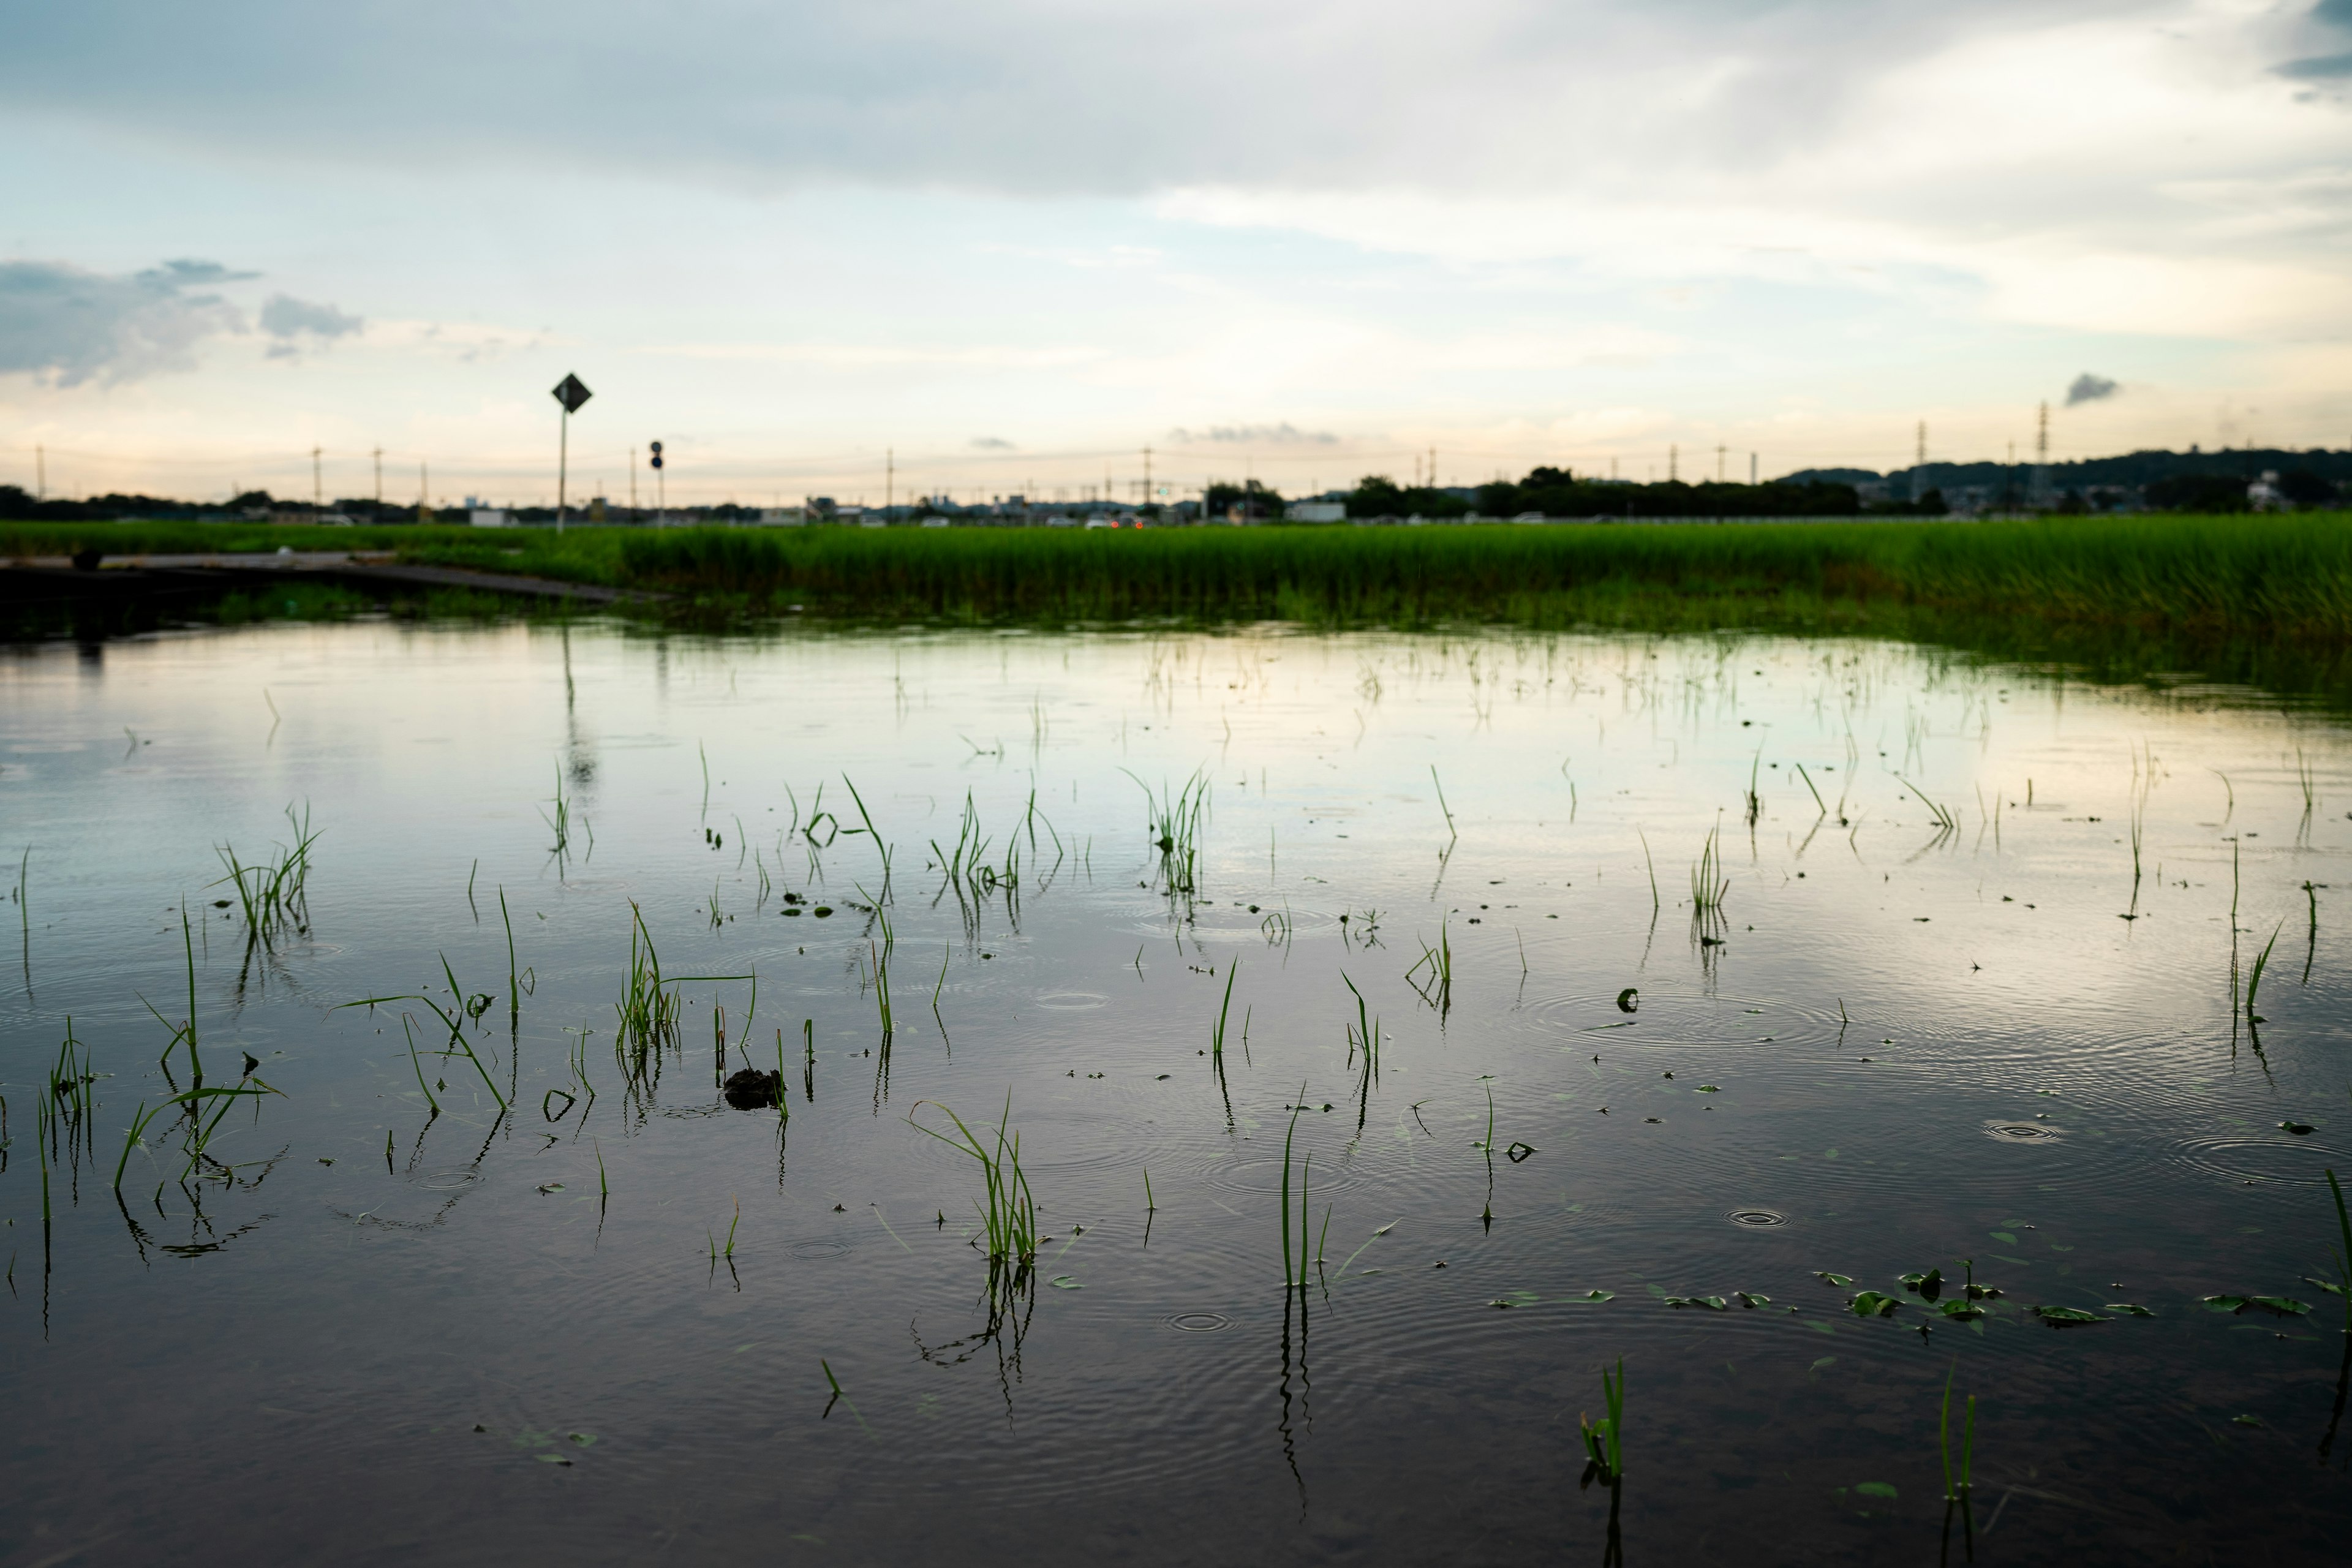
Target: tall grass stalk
column 1008, row 1211
column 1604, row 1440
column 1954, row 1491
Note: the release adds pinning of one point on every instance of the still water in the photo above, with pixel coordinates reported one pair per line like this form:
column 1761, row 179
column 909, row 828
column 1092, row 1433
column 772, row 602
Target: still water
column 1973, row 999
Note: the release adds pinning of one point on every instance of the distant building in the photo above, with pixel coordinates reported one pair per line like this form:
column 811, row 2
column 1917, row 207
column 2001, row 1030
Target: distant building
column 489, row 517
column 782, row 516
column 2263, row 494
column 1316, row 511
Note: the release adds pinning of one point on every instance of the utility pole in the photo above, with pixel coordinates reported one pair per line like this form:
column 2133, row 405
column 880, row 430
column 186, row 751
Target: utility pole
column 1432, row 468
column 1673, row 463
column 379, row 476
column 2042, row 453
column 317, row 488
column 1146, row 476
column 889, row 478
column 633, row 484
column 1719, row 450
column 40, row 473
column 1919, row 450
column 1751, row 469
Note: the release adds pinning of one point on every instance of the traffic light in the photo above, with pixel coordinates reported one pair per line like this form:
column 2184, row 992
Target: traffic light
column 657, row 457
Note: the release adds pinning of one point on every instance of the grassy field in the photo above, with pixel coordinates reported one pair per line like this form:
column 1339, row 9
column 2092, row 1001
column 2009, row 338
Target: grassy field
column 2267, row 598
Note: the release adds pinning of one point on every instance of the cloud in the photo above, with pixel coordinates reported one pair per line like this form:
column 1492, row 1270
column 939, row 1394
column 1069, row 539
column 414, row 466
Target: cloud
column 2319, row 67
column 70, row 325
column 1283, row 435
column 2089, row 388
column 991, row 444
column 283, row 316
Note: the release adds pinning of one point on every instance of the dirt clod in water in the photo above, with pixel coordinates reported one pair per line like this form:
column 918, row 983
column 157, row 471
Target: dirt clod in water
column 751, row 1089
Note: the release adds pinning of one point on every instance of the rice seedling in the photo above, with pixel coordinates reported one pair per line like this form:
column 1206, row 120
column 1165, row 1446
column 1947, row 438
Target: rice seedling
column 1956, row 1490
column 1652, row 868
column 1451, row 831
column 1755, row 802
column 2311, row 940
column 558, row 818
column 1364, row 1034
column 1174, row 825
column 1604, row 1440
column 1816, row 794
column 2255, row 975
column 1435, row 967
column 514, row 984
column 2344, row 1252
column 2309, row 783
column 1217, row 1034
column 1710, row 885
column 273, row 895
column 880, row 848
column 1294, row 1269
column 1150, row 1206
column 1008, row 1211
column 1945, row 821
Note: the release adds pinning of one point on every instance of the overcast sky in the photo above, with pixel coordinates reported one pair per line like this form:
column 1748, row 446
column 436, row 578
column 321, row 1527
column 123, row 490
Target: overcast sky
column 1016, row 244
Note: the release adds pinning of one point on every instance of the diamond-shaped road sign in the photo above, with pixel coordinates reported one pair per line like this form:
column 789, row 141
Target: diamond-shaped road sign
column 572, row 391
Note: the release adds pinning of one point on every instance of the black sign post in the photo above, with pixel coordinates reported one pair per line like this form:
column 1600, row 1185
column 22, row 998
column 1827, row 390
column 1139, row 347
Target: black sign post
column 570, row 392
column 661, row 489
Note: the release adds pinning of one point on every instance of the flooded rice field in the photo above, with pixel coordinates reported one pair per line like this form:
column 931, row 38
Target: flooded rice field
column 1179, row 1098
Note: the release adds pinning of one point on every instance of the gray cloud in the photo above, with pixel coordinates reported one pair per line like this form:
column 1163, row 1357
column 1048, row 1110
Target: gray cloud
column 72, row 325
column 991, row 444
column 2319, row 67
column 283, row 316
column 1027, row 95
column 2089, row 388
column 1283, row 435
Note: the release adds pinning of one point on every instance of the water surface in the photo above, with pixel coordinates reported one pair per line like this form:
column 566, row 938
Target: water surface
column 360, row 1328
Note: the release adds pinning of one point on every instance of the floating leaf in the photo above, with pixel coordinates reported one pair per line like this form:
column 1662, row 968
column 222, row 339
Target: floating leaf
column 2329, row 1285
column 1875, row 1304
column 552, row 1458
column 2279, row 1306
column 1960, row 1311
column 1064, row 1282
column 2299, row 1129
column 585, row 1439
column 2004, row 1236
column 1708, row 1089
column 2245, row 1420
column 2065, row 1317
column 552, row 1187
column 1712, row 1303
column 2129, row 1309
column 1499, row 1301
column 1518, row 1152
column 1748, row 1298
column 1875, row 1488
column 1595, row 1296
column 1838, row 1279
column 1928, row 1285
column 1825, row 1361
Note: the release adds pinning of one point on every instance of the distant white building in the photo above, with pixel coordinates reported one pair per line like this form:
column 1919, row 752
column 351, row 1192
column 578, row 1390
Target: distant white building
column 1316, row 511
column 782, row 516
column 2263, row 494
column 489, row 517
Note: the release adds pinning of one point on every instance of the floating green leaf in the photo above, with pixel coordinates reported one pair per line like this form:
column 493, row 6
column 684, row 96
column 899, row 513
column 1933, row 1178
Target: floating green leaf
column 2129, row 1309
column 1709, row 1089
column 1748, row 1298
column 2300, row 1129
column 2004, row 1236
column 2066, row 1316
column 2245, row 1420
column 1712, row 1303
column 1960, row 1311
column 1837, row 1279
column 1873, row 1304
column 1064, row 1282
column 2279, row 1306
column 1875, row 1488
column 1595, row 1296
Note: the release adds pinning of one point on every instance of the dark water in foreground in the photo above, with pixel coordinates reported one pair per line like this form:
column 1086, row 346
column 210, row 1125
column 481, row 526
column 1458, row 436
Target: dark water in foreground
column 355, row 1330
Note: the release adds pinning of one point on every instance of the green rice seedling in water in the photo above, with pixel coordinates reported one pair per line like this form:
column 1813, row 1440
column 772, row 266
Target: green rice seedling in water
column 1217, row 1035
column 1708, row 884
column 1294, row 1270
column 1436, row 963
column 874, row 833
column 1451, row 831
column 1957, row 1492
column 273, row 896
column 1604, row 1440
column 1651, row 866
column 1945, row 821
column 1818, row 801
column 2255, row 975
column 1008, row 1211
column 559, row 820
column 514, row 985
column 2311, row 943
column 2344, row 1254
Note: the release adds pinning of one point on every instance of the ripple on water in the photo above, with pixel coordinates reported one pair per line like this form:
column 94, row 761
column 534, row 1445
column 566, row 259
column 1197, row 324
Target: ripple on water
column 1662, row 1017
column 450, row 1181
column 1199, row 1322
column 1070, row 1001
column 2023, row 1131
column 2296, row 1161
column 1757, row 1219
